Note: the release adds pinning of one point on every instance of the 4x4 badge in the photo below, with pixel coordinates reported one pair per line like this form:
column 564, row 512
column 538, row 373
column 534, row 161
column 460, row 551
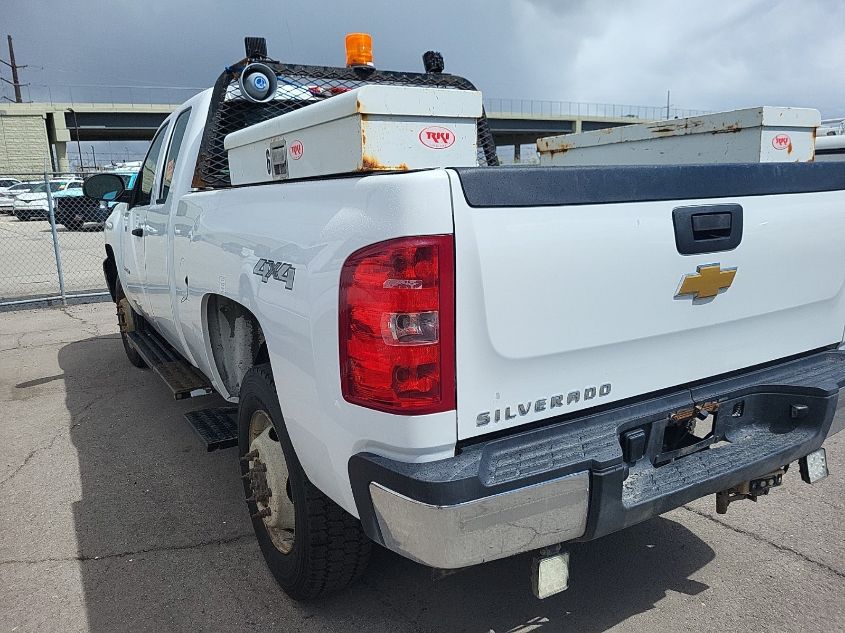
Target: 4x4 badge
column 707, row 282
column 280, row 271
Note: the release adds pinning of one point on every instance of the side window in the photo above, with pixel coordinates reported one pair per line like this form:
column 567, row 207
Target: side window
column 149, row 170
column 173, row 152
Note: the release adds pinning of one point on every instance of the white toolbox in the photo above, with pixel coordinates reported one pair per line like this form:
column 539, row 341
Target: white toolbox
column 372, row 128
column 755, row 135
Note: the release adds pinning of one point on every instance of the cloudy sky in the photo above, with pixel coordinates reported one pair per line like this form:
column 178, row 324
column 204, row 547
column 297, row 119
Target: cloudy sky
column 711, row 54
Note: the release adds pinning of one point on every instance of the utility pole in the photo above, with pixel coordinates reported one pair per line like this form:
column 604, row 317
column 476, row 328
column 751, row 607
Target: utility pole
column 667, row 103
column 78, row 144
column 14, row 66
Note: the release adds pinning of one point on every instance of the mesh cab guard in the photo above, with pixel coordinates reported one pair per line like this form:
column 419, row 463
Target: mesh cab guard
column 300, row 86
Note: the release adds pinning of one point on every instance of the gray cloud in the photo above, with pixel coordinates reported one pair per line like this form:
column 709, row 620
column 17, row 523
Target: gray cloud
column 716, row 54
column 712, row 55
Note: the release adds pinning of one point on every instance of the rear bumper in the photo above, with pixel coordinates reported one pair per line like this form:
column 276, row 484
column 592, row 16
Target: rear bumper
column 577, row 478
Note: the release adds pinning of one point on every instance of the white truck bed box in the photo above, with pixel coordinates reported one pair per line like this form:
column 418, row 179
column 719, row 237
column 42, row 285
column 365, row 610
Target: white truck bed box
column 372, row 128
column 755, row 135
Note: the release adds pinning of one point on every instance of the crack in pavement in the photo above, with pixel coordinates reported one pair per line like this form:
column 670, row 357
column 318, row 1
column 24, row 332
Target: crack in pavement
column 762, row 539
column 38, row 449
column 81, row 416
column 89, row 327
column 152, row 550
column 88, row 324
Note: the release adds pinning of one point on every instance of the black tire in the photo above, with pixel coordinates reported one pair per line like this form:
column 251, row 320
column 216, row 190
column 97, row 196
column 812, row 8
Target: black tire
column 131, row 353
column 330, row 549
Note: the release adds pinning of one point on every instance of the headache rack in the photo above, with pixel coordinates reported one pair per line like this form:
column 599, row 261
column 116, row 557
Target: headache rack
column 300, row 86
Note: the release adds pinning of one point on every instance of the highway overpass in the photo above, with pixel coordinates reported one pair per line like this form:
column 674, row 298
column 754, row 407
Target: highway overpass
column 32, row 134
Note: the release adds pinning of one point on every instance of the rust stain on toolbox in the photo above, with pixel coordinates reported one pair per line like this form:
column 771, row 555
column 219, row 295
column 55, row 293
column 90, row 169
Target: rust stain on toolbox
column 681, row 126
column 733, row 128
column 371, row 163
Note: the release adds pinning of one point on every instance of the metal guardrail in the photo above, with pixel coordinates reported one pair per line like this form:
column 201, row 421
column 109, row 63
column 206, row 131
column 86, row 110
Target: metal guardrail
column 562, row 109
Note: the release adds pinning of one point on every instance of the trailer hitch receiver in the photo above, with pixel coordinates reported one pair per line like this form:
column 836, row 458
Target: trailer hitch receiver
column 749, row 490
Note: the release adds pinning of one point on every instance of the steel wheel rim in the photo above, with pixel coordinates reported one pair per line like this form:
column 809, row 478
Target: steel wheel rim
column 270, row 482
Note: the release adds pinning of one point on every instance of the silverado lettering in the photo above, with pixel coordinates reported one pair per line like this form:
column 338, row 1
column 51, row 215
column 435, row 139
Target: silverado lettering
column 540, row 405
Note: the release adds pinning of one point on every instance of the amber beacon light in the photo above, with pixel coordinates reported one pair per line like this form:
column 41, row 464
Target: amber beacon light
column 359, row 49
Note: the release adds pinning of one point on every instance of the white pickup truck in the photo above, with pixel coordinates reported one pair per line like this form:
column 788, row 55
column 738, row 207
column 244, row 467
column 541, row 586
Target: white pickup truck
column 467, row 363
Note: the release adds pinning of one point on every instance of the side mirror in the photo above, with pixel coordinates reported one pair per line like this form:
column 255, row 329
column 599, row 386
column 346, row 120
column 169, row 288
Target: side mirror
column 107, row 187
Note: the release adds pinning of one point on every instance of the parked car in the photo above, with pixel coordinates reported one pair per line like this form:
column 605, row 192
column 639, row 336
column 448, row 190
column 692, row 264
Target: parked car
column 33, row 205
column 7, row 197
column 75, row 211
column 5, row 183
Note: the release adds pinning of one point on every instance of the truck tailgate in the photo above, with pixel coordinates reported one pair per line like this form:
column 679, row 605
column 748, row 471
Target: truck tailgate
column 568, row 279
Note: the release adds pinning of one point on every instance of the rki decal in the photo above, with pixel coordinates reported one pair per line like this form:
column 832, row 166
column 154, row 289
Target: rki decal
column 297, row 149
column 781, row 141
column 437, row 137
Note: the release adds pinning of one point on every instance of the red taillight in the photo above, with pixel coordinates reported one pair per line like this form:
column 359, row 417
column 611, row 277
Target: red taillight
column 397, row 326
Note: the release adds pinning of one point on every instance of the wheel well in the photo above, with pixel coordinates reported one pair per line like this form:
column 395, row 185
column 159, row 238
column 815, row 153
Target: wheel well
column 236, row 339
column 110, row 270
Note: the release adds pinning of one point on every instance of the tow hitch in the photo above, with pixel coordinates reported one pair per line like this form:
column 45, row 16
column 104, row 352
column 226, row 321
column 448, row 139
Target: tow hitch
column 749, row 490
column 813, row 468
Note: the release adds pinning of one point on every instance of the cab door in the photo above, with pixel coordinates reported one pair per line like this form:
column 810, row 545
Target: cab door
column 133, row 273
column 158, row 234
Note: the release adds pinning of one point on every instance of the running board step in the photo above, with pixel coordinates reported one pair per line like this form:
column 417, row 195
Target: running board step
column 217, row 428
column 184, row 380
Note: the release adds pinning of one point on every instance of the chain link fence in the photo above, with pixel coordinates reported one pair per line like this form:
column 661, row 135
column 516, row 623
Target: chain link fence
column 51, row 240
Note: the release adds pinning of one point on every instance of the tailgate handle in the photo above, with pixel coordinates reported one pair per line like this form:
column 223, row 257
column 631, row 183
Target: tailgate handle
column 707, row 228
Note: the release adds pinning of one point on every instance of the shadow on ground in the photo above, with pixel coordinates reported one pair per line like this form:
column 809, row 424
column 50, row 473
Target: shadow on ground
column 166, row 545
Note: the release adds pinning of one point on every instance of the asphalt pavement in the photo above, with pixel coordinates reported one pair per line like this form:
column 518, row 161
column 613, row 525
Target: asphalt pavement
column 114, row 518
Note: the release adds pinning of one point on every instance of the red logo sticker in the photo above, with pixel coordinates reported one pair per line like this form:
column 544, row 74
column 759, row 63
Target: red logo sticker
column 297, row 149
column 437, row 137
column 781, row 141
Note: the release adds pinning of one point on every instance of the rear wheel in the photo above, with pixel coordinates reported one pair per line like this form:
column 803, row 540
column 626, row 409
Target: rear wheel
column 312, row 546
column 126, row 314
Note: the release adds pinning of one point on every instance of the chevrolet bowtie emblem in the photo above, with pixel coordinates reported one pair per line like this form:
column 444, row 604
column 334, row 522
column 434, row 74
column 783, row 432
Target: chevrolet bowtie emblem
column 707, row 282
